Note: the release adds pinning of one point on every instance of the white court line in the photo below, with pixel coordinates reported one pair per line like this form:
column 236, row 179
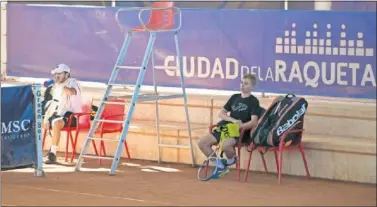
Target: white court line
column 98, row 195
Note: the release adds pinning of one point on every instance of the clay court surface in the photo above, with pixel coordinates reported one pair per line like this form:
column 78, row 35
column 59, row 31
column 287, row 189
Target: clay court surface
column 145, row 185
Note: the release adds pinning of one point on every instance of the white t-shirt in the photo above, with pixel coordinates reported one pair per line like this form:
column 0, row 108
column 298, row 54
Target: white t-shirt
column 71, row 103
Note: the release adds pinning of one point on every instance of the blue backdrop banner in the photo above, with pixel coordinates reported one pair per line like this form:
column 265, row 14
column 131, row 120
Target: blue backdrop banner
column 17, row 132
column 302, row 52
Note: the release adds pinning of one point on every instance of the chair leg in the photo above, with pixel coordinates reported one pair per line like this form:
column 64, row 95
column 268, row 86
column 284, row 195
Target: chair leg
column 304, row 159
column 264, row 162
column 276, row 161
column 74, row 144
column 128, row 152
column 44, row 138
column 248, row 166
column 66, row 146
column 238, row 162
column 101, row 149
column 95, row 147
column 280, row 164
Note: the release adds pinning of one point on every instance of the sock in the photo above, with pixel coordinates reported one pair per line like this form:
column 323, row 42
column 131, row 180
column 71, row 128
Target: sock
column 53, row 149
column 231, row 161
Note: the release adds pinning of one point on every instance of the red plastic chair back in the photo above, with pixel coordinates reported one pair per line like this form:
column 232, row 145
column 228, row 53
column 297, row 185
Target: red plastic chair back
column 115, row 112
column 162, row 19
column 84, row 120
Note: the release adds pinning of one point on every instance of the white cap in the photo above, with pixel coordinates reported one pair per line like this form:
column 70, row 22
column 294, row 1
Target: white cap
column 61, row 68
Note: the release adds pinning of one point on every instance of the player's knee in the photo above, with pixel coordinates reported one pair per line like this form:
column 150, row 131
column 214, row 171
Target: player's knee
column 202, row 143
column 205, row 142
column 59, row 124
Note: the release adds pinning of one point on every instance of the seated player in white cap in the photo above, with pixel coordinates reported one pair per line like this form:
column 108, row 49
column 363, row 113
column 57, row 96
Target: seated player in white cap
column 66, row 99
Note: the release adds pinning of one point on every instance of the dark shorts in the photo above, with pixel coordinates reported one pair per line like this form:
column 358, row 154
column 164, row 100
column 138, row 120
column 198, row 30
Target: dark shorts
column 65, row 118
column 245, row 138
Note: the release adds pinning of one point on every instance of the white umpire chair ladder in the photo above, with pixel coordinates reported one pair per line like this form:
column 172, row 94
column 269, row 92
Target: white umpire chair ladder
column 161, row 20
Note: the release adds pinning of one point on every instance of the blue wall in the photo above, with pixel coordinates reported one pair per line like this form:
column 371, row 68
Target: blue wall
column 293, row 5
column 304, row 52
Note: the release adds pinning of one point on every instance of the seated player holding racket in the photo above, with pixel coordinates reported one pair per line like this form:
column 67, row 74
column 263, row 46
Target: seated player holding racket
column 244, row 110
column 66, row 100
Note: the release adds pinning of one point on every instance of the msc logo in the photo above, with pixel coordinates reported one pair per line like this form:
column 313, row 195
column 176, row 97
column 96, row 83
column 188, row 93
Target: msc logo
column 15, row 126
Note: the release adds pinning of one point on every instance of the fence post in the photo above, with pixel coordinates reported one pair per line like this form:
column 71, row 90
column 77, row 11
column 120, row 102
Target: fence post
column 38, row 129
column 286, row 4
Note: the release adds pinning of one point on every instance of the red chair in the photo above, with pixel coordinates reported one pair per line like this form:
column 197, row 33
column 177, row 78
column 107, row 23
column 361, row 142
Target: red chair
column 279, row 149
column 239, row 145
column 114, row 112
column 161, row 17
column 83, row 122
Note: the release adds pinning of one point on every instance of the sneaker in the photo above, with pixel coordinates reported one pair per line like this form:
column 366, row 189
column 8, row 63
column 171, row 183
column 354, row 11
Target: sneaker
column 220, row 163
column 51, row 158
column 47, row 153
column 222, row 172
column 234, row 162
column 222, row 169
column 223, row 161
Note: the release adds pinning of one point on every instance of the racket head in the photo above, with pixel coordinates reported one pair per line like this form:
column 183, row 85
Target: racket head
column 208, row 169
